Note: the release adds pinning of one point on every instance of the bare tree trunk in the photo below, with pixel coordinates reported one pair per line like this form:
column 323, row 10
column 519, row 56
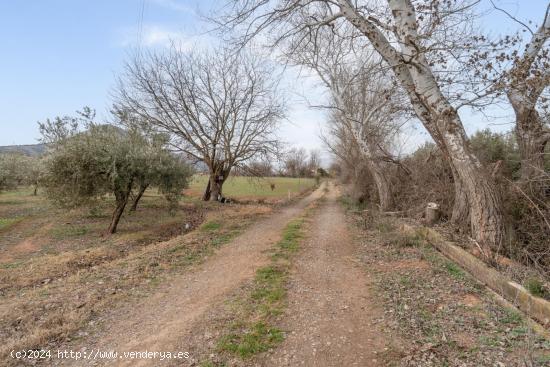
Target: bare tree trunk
column 121, row 201
column 216, row 184
column 526, row 87
column 207, row 192
column 140, row 193
column 486, row 217
column 383, row 186
column 437, row 115
column 461, row 211
column 117, row 214
column 532, row 138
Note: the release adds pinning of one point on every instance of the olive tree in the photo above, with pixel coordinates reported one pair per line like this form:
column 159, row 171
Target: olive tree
column 101, row 160
column 218, row 107
column 17, row 169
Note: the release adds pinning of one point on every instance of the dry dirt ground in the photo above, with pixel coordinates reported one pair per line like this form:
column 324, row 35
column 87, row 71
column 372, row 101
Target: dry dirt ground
column 160, row 321
column 356, row 294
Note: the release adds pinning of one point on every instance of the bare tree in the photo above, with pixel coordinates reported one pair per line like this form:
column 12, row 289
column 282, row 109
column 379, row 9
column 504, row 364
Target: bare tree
column 314, row 161
column 295, row 162
column 364, row 101
column 219, row 107
column 527, row 80
column 400, row 31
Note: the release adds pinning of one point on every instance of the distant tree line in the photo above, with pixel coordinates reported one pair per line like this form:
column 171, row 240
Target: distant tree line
column 295, row 162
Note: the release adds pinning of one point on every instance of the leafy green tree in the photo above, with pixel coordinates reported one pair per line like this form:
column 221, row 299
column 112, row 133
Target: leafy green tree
column 88, row 163
column 17, row 169
column 492, row 147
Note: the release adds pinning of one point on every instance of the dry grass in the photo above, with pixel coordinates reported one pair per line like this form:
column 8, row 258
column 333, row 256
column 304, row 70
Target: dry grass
column 72, row 273
column 449, row 317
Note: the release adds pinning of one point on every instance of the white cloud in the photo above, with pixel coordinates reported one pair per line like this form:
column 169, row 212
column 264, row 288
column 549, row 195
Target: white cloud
column 175, row 5
column 156, row 36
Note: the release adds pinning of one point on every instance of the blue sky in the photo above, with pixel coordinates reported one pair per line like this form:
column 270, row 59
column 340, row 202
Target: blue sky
column 60, row 55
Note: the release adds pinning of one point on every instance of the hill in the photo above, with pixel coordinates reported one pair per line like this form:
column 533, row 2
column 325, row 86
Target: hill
column 30, row 150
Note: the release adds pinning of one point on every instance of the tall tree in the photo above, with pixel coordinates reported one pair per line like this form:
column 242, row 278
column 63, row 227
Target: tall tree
column 401, row 37
column 527, row 80
column 219, row 107
column 364, row 101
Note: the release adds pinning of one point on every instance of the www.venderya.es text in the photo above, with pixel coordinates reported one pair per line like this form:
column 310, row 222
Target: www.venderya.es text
column 97, row 354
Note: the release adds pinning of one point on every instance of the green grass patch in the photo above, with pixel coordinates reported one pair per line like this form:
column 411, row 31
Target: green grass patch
column 249, row 187
column 212, row 364
column 68, row 231
column 256, row 339
column 254, row 331
column 535, row 287
column 512, row 317
column 5, row 223
column 454, row 270
column 211, row 226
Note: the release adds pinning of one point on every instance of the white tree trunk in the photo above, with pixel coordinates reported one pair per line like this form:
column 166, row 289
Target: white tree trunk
column 413, row 71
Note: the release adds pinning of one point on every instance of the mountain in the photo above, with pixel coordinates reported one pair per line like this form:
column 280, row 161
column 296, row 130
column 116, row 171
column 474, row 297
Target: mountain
column 32, row 150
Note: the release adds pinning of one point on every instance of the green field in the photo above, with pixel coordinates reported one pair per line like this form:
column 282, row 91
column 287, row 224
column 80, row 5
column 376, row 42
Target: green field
column 240, row 187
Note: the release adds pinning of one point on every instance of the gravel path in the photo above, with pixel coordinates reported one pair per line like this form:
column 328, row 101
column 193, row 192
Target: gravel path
column 331, row 318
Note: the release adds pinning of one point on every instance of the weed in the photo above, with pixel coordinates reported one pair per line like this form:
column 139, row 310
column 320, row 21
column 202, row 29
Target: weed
column 5, row 223
column 352, row 205
column 454, row 270
column 490, row 341
column 385, row 227
column 253, row 332
column 211, row 226
column 12, row 265
column 259, row 338
column 212, row 364
column 69, row 231
column 535, row 287
column 512, row 317
column 406, row 240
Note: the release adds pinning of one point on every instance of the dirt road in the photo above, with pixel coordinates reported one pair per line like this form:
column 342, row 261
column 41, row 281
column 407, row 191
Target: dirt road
column 158, row 322
column 331, row 316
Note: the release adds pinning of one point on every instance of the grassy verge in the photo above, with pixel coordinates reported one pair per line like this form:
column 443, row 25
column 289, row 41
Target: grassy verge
column 253, row 328
column 47, row 316
column 439, row 311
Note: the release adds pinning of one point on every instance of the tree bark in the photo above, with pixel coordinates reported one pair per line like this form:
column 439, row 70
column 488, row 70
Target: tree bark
column 383, row 186
column 206, row 195
column 215, row 185
column 532, row 137
column 121, row 201
column 525, row 89
column 438, row 116
column 117, row 214
column 461, row 211
column 140, row 193
column 485, row 204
